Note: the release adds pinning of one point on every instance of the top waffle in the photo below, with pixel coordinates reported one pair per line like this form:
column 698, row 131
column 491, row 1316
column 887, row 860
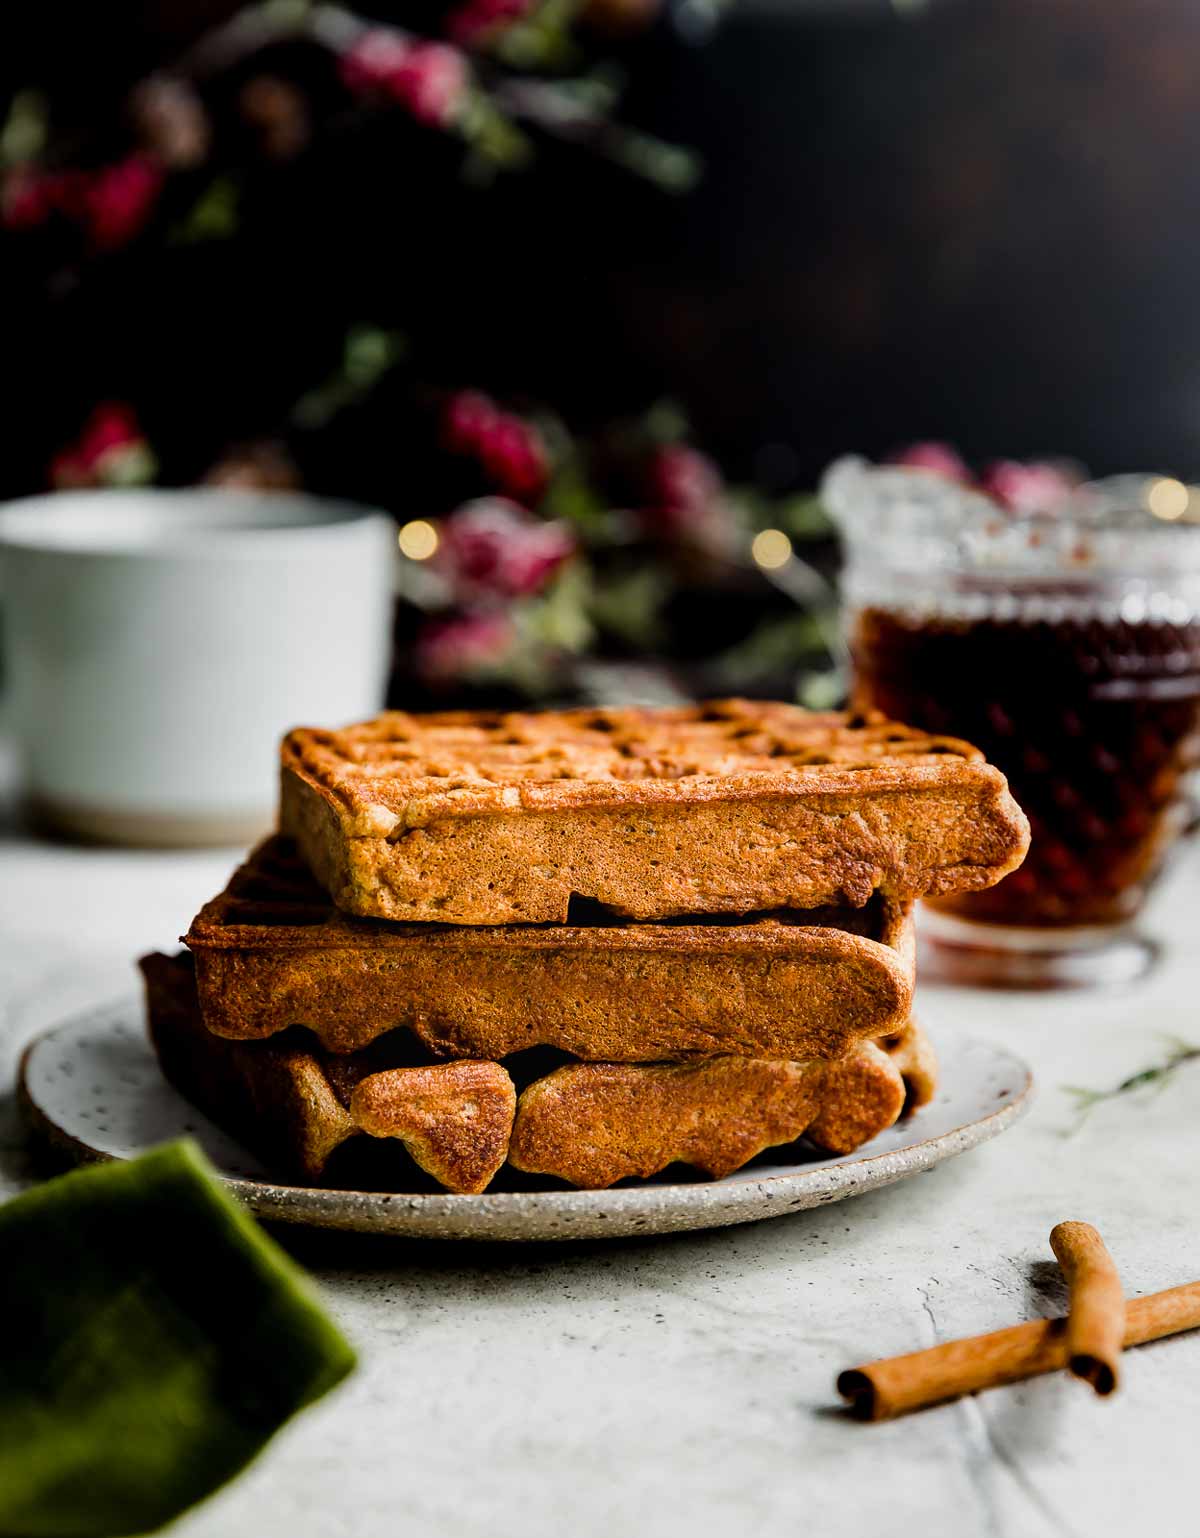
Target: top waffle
column 735, row 806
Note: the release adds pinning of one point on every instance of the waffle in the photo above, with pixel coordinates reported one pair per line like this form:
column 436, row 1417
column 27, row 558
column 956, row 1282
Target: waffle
column 595, row 1123
column 731, row 807
column 586, row 1123
column 272, row 951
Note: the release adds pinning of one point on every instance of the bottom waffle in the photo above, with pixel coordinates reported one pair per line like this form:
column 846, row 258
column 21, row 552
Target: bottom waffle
column 462, row 1123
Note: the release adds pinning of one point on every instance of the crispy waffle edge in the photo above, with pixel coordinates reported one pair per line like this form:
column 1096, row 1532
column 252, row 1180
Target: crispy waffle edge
column 270, row 951
column 496, row 819
column 589, row 1124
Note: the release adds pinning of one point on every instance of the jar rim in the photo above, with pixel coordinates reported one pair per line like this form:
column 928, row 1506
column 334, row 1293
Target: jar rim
column 908, row 518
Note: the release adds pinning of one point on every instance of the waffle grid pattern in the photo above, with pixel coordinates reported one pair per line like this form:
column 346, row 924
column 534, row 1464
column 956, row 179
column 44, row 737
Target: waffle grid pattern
column 470, row 758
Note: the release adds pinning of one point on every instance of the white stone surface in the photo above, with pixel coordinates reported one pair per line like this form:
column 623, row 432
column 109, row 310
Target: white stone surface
column 685, row 1385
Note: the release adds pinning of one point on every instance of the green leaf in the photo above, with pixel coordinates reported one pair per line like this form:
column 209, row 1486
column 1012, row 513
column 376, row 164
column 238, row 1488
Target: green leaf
column 670, row 167
column 157, row 1339
column 559, row 617
column 773, row 646
column 133, row 464
column 287, row 13
column 368, row 353
column 629, row 605
column 570, row 498
column 541, row 40
column 497, row 144
column 24, row 133
column 214, row 215
column 666, row 421
column 822, row 691
column 802, row 517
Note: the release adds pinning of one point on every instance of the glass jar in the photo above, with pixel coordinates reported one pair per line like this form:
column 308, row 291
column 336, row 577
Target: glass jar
column 1065, row 645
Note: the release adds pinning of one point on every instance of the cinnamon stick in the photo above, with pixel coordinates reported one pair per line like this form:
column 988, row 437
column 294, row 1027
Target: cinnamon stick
column 898, row 1384
column 1096, row 1304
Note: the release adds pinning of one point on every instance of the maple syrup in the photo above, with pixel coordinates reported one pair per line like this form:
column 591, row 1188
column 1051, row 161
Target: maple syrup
column 1095, row 722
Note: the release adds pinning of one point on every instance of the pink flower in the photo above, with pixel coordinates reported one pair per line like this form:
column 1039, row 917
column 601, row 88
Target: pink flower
column 684, row 487
column 476, row 20
column 683, row 477
column 467, row 418
column 118, row 200
column 494, row 548
column 938, row 458
column 514, row 456
column 371, row 63
column 429, row 79
column 432, row 83
column 509, row 448
column 1027, row 488
column 112, row 204
column 28, row 196
column 469, row 644
column 109, row 443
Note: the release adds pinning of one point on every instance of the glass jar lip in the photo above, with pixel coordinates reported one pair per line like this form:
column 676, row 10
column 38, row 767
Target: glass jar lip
column 907, row 518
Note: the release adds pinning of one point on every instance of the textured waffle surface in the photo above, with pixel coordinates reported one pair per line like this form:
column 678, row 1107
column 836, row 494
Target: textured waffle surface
column 463, row 1123
column 499, row 818
column 272, row 951
column 415, row 769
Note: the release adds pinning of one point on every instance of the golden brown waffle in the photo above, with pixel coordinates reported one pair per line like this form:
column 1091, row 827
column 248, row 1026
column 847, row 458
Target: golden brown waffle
column 731, row 807
column 272, row 951
column 596, row 1123
column 291, row 1102
column 587, row 1123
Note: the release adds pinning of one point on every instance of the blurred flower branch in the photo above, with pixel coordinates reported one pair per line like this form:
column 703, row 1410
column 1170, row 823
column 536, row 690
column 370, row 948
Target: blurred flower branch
column 582, row 545
column 466, row 82
column 531, row 552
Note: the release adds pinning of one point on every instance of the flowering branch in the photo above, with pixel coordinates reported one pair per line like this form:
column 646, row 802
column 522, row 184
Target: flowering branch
column 577, row 112
column 454, row 85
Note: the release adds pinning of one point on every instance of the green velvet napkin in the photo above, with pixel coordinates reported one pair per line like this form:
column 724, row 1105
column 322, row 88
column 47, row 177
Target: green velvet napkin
column 153, row 1340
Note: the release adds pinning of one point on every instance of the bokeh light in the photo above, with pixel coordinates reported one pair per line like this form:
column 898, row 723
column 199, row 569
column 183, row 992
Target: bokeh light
column 771, row 549
column 1167, row 498
column 418, row 540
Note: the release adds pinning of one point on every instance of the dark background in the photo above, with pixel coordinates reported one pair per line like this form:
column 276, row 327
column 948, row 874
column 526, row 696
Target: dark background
column 976, row 221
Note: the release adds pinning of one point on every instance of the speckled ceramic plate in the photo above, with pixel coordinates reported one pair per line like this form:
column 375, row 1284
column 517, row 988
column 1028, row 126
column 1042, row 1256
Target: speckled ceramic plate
column 92, row 1085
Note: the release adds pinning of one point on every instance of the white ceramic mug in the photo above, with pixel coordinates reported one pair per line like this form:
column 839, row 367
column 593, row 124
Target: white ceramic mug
column 158, row 643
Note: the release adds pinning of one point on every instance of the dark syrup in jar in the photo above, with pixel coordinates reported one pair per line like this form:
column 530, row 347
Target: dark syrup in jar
column 1095, row 722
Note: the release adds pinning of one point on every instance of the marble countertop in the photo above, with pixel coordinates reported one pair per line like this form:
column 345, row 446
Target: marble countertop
column 685, row 1385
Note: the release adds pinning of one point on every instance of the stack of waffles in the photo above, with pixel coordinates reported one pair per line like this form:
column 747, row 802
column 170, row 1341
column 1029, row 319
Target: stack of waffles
column 577, row 946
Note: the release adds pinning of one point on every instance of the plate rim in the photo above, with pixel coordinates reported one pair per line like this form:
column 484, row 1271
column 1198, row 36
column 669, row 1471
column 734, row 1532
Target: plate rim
column 631, row 1209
